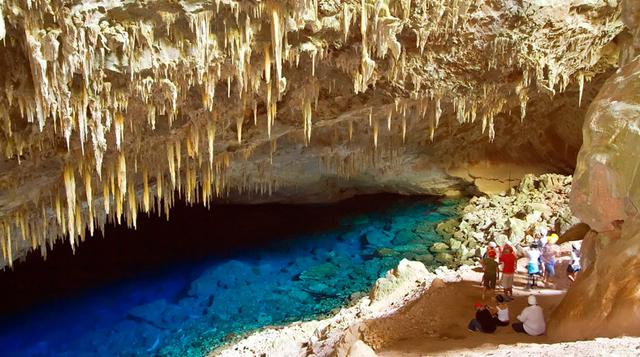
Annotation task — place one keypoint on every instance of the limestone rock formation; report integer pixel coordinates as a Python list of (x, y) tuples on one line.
[(110, 107), (538, 205), (606, 195)]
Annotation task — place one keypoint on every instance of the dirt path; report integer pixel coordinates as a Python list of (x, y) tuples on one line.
[(446, 311)]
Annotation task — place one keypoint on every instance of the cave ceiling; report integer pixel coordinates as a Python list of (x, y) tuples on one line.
[(109, 108)]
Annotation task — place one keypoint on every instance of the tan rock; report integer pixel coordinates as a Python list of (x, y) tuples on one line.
[(604, 301), (361, 349)]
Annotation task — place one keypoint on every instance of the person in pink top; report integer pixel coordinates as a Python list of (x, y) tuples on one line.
[(508, 261)]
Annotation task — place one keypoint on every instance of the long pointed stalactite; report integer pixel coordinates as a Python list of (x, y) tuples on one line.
[(120, 105)]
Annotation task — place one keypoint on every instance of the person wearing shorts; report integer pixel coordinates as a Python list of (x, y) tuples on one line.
[(533, 265), (549, 254), (574, 267), (508, 260), (490, 273)]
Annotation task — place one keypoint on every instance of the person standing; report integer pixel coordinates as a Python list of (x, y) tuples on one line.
[(574, 267), (531, 319), (549, 254), (508, 261), (533, 264), (490, 275)]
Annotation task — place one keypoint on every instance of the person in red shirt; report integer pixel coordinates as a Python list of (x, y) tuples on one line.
[(508, 260)]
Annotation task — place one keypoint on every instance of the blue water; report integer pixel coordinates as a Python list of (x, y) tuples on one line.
[(189, 309)]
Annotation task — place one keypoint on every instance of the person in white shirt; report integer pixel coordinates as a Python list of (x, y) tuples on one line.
[(501, 311), (533, 265), (532, 319)]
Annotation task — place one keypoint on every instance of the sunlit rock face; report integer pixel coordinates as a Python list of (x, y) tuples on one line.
[(108, 107), (605, 300)]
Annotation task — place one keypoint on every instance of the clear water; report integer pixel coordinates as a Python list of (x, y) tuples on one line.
[(189, 309)]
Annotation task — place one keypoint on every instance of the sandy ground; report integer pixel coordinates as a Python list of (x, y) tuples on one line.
[(449, 335)]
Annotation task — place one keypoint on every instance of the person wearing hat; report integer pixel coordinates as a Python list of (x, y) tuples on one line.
[(508, 260), (484, 321), (548, 257), (491, 248), (531, 319), (490, 275)]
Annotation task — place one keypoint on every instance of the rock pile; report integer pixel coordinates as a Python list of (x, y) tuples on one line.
[(537, 206)]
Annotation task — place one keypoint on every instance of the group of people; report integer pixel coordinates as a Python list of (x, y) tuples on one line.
[(542, 255), (489, 318), (491, 267), (541, 261)]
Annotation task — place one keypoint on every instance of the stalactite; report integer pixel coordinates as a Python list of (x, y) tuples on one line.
[(145, 190), (404, 129), (88, 79), (375, 134), (172, 167), (70, 190), (580, 88)]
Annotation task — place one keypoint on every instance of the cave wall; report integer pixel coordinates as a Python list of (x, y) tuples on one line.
[(605, 300)]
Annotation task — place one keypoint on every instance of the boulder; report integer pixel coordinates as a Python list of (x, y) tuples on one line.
[(439, 247), (404, 236), (378, 238), (151, 312), (447, 228), (517, 229), (398, 280), (445, 258), (361, 349), (455, 244)]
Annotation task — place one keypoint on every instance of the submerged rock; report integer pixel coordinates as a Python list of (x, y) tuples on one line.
[(404, 236), (439, 247), (378, 238), (151, 312)]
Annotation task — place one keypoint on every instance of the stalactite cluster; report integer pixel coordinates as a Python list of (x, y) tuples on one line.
[(109, 108)]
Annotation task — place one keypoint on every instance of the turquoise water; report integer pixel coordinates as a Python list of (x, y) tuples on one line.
[(189, 308)]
